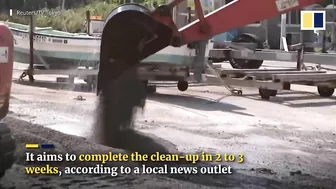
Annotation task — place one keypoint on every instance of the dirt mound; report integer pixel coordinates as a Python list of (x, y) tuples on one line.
[(129, 141), (24, 133)]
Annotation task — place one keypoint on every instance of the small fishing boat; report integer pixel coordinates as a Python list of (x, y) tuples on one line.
[(55, 49), (63, 50)]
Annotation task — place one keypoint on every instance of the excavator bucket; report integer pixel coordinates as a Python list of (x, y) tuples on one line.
[(130, 34), (131, 30)]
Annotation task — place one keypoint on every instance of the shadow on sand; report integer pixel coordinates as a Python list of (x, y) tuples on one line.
[(187, 101), (300, 100), (194, 102), (198, 103), (78, 87)]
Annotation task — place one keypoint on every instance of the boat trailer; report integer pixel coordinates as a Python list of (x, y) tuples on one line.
[(146, 72), (270, 81)]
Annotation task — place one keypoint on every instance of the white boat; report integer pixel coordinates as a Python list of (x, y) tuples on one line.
[(63, 50), (55, 49)]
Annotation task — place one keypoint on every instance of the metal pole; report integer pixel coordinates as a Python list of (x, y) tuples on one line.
[(333, 40), (266, 34), (88, 20), (175, 15), (63, 3), (324, 41), (31, 48), (200, 59), (283, 29)]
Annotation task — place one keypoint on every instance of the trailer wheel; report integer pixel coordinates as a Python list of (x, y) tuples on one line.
[(7, 149), (265, 94), (325, 91), (243, 63), (182, 85)]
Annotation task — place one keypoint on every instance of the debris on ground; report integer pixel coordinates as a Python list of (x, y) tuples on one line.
[(265, 171), (26, 132), (80, 98), (292, 173)]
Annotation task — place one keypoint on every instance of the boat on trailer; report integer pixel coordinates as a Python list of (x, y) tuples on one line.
[(54, 49)]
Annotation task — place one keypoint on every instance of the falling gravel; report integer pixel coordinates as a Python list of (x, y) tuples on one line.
[(119, 99)]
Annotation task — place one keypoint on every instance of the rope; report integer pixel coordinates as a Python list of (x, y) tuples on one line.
[(227, 87)]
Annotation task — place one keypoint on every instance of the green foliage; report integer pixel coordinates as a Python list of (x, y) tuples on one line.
[(72, 20)]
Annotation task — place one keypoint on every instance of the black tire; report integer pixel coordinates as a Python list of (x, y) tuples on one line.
[(243, 63), (265, 94), (7, 149), (182, 85), (325, 91)]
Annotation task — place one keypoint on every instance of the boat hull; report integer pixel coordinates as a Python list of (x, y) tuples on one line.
[(53, 60), (55, 49), (61, 62), (70, 52), (172, 55)]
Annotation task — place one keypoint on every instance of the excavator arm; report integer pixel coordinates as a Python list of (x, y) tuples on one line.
[(236, 14), (132, 33), (151, 31)]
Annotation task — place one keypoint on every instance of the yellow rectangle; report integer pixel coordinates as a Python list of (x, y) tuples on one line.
[(32, 146), (307, 20)]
